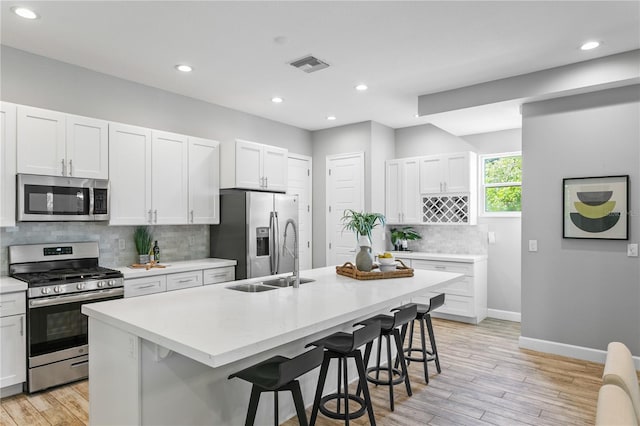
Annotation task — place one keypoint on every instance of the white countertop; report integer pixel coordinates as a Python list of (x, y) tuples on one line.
[(175, 267), (216, 326), (8, 285), (445, 257)]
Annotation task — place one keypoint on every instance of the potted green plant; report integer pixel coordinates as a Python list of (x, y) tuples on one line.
[(362, 224), (400, 236), (142, 238)]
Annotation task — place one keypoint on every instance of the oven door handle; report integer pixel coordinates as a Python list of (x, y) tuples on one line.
[(84, 297)]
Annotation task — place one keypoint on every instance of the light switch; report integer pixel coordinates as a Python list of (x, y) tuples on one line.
[(533, 245), (632, 250)]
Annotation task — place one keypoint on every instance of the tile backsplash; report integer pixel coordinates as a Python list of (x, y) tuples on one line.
[(454, 239), (177, 242)]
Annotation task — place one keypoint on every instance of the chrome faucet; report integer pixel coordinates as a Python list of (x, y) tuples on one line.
[(296, 251)]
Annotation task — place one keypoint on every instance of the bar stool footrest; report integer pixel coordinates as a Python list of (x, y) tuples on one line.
[(408, 357), (399, 377), (341, 416)]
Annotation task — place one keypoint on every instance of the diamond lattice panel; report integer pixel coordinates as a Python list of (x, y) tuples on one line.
[(445, 209)]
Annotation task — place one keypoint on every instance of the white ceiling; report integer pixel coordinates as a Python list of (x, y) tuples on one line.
[(240, 50)]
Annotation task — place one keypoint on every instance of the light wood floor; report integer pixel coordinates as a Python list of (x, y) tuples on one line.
[(486, 380)]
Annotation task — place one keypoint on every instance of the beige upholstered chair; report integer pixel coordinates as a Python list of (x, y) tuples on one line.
[(620, 371), (614, 407)]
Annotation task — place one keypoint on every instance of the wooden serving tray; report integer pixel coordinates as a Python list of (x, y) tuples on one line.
[(350, 270), (146, 266)]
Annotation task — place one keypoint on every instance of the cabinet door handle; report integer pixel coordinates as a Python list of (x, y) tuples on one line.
[(70, 167), (150, 220), (186, 281), (22, 325), (266, 181), (219, 275), (445, 186), (146, 286), (441, 267), (64, 167), (191, 216), (155, 216)]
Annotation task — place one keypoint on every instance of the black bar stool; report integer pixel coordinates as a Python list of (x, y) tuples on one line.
[(424, 316), (279, 374), (389, 327), (343, 346)]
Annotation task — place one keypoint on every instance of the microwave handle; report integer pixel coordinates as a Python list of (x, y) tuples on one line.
[(91, 201)]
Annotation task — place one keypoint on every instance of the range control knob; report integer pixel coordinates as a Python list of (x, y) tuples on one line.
[(112, 283), (57, 289), (45, 290), (81, 286), (100, 284)]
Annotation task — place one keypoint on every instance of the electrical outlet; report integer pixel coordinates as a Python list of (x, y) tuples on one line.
[(632, 250), (121, 244), (491, 237), (533, 245)]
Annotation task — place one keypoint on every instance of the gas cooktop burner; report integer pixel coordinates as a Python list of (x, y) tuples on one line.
[(61, 276)]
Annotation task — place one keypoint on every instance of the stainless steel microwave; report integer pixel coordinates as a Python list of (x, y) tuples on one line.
[(57, 198)]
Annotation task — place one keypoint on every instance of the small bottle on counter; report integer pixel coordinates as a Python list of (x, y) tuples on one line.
[(156, 252)]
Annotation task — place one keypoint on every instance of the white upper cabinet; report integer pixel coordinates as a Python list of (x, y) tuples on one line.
[(169, 178), (204, 181), (251, 165), (447, 173), (162, 178), (275, 168), (87, 147), (58, 144), (7, 164), (130, 175), (403, 191)]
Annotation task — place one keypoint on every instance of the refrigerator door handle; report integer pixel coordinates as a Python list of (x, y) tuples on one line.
[(272, 243), (277, 243)]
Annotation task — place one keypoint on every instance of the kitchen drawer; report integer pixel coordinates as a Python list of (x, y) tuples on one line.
[(142, 286), (459, 268), (219, 275), (12, 303), (453, 304), (184, 280)]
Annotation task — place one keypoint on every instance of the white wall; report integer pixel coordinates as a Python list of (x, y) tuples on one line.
[(46, 83), (427, 139), (376, 141), (503, 268), (584, 293)]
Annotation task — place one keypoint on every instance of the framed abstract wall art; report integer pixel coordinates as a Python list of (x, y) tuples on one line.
[(596, 207)]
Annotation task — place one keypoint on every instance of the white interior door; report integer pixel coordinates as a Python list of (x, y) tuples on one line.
[(299, 183), (345, 190)]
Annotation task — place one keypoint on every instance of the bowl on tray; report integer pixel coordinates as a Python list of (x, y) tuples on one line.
[(387, 264)]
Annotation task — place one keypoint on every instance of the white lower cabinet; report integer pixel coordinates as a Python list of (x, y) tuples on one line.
[(178, 281), (465, 299), (13, 340), (219, 275), (184, 280), (144, 286)]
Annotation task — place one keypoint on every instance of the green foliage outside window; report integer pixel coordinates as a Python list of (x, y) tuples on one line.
[(502, 184)]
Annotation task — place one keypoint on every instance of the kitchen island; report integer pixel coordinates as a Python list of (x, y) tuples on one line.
[(165, 358)]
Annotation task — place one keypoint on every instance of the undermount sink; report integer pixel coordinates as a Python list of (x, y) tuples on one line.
[(267, 285), (285, 282), (250, 288)]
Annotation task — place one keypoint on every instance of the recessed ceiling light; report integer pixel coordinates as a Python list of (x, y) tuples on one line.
[(277, 100), (331, 117), (184, 68), (590, 45), (25, 13), (361, 87)]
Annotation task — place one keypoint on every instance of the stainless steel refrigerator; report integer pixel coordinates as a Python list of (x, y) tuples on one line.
[(251, 231)]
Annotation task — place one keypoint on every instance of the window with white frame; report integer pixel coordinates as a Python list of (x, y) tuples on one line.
[(501, 184)]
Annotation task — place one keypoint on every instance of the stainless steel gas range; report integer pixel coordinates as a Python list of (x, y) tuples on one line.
[(61, 277)]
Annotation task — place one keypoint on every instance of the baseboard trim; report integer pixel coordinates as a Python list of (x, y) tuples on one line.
[(504, 315), (563, 349)]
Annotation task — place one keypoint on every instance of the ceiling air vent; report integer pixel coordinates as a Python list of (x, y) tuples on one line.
[(309, 64)]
